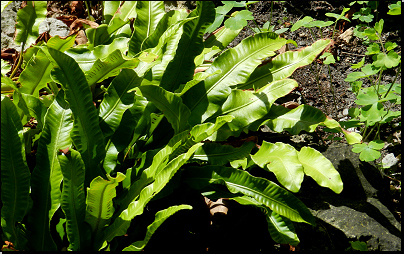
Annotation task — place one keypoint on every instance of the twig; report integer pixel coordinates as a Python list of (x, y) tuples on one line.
[(351, 53)]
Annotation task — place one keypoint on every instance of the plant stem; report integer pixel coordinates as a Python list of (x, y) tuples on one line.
[(19, 61), (319, 88), (394, 81), (369, 133), (333, 92)]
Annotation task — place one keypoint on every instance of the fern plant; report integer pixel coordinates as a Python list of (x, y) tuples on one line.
[(131, 109)]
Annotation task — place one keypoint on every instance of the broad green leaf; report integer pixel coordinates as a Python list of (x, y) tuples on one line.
[(117, 100), (247, 106), (8, 85), (86, 134), (367, 99), (294, 121), (319, 23), (169, 19), (358, 245), (300, 23), (170, 38), (389, 60), (36, 108), (339, 16), (379, 26), (97, 36), (374, 48), (182, 67), (36, 73), (221, 11), (320, 169), (109, 67), (262, 190), (390, 45), (60, 229), (372, 113), (217, 154), (238, 20), (109, 10), (160, 217), (124, 13), (366, 71), (5, 67), (86, 57), (73, 201), (368, 152), (201, 132), (395, 9), (221, 38), (219, 41), (281, 228), (371, 34), (358, 65), (28, 20), (376, 144), (99, 207), (236, 65), (47, 175), (283, 65), (170, 104), (282, 160), (15, 175), (149, 14), (305, 118)]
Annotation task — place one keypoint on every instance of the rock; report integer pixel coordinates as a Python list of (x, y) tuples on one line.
[(55, 27), (8, 19), (175, 5), (389, 160), (359, 213)]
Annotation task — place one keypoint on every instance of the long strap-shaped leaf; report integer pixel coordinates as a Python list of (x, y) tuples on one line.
[(86, 57), (262, 190), (103, 69), (117, 100), (160, 217), (217, 154), (124, 13), (47, 175), (170, 104), (73, 201), (320, 169), (236, 65), (248, 106), (181, 69), (86, 135), (15, 176), (28, 20), (121, 224), (306, 118), (282, 160), (99, 201), (149, 14), (283, 65), (172, 31), (36, 74), (280, 228)]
